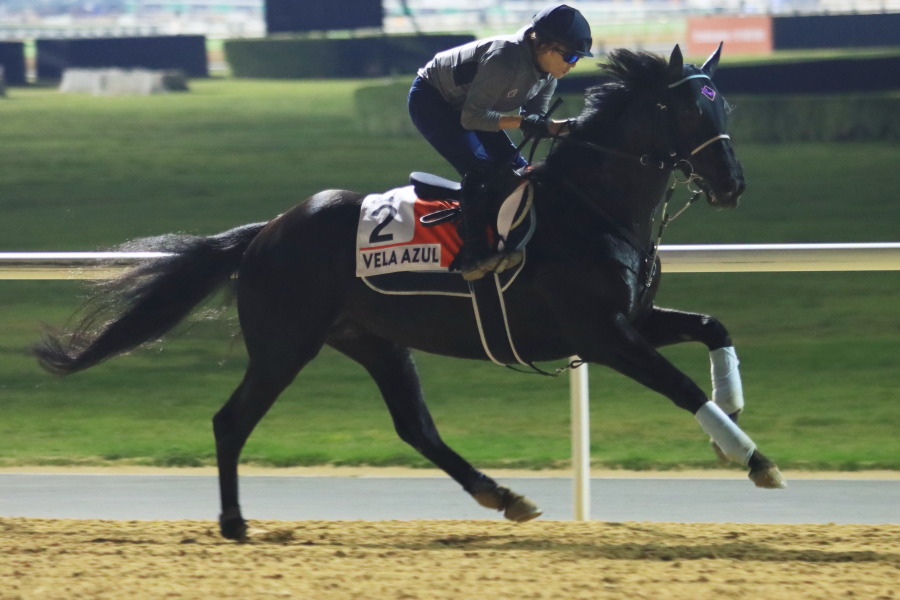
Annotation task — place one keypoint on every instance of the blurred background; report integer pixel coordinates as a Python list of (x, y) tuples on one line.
[(644, 24), (131, 118)]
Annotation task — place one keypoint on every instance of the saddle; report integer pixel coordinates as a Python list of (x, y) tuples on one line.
[(407, 239), (411, 230), (434, 187)]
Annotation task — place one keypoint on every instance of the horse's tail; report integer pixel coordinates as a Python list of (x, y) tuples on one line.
[(145, 302)]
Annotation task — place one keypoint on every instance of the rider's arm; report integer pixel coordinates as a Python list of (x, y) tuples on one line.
[(490, 85)]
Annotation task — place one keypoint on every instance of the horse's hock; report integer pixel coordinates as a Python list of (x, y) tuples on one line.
[(122, 82)]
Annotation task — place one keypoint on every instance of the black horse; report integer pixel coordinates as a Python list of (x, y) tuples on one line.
[(586, 288)]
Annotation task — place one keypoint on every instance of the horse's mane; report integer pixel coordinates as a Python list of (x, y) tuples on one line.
[(626, 75)]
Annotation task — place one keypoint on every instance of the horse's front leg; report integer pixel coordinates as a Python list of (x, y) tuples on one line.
[(664, 327), (635, 356)]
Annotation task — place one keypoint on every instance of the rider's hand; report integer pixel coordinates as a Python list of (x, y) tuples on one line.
[(559, 127), (535, 126)]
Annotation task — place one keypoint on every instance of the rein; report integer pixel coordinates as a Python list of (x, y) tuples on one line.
[(672, 163), (665, 218)]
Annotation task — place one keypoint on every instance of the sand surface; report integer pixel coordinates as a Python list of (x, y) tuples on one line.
[(342, 560)]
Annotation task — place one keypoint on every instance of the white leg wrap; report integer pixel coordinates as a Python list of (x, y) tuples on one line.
[(727, 391), (736, 444)]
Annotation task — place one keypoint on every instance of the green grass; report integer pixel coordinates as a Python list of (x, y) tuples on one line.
[(94, 171), (819, 351)]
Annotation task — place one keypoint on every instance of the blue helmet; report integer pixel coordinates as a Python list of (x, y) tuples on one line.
[(565, 25)]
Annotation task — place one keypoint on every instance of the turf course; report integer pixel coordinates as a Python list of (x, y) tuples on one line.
[(819, 351)]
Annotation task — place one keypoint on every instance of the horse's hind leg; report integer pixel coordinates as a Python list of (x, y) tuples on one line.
[(278, 346), (393, 369), (234, 423)]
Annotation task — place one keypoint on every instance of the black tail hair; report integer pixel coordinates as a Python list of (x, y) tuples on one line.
[(145, 302)]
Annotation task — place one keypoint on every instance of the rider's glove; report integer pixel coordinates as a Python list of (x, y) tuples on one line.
[(535, 126)]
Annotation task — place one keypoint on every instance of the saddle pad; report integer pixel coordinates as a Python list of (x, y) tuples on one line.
[(391, 239)]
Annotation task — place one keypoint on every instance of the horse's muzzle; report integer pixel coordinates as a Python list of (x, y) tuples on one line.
[(725, 190), (730, 196)]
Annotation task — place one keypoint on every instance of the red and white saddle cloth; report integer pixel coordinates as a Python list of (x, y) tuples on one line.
[(397, 254), (391, 238)]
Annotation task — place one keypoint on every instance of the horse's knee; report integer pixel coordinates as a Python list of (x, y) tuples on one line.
[(713, 333)]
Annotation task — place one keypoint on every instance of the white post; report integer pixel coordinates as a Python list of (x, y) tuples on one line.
[(581, 442)]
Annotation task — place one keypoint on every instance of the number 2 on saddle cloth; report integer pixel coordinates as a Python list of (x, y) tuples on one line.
[(400, 232)]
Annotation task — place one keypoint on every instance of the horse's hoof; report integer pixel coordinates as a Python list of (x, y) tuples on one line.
[(515, 507), (769, 478), (234, 528), (522, 509)]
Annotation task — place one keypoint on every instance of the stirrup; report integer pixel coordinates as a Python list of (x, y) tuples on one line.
[(496, 263)]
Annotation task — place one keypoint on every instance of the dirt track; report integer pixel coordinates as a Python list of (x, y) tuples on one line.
[(460, 560)]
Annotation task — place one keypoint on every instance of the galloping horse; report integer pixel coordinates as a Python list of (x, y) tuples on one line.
[(586, 288)]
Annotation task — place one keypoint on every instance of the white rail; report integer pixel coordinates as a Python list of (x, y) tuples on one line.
[(730, 258), (725, 258)]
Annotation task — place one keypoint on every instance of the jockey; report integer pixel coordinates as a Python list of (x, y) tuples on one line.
[(459, 98)]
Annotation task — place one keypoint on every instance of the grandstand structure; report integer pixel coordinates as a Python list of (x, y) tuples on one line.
[(644, 19)]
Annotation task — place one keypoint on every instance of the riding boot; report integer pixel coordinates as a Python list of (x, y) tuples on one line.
[(477, 258)]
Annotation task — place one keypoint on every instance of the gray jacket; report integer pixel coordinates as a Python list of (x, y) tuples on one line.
[(485, 78)]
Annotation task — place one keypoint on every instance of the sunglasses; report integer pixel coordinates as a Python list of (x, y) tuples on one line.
[(569, 57)]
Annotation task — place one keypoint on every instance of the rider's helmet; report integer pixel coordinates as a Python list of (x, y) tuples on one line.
[(565, 25)]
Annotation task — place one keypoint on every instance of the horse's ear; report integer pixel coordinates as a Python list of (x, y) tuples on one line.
[(709, 67), (676, 65)]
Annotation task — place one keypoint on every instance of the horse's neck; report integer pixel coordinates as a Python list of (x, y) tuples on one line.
[(622, 192)]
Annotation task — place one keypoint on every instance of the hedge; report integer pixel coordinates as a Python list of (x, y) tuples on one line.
[(12, 59), (816, 118), (186, 53), (381, 111)]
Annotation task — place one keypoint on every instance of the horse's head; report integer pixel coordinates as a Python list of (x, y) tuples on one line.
[(697, 117), (667, 114)]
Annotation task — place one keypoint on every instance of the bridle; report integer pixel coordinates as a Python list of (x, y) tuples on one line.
[(673, 160), (673, 163), (713, 139)]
